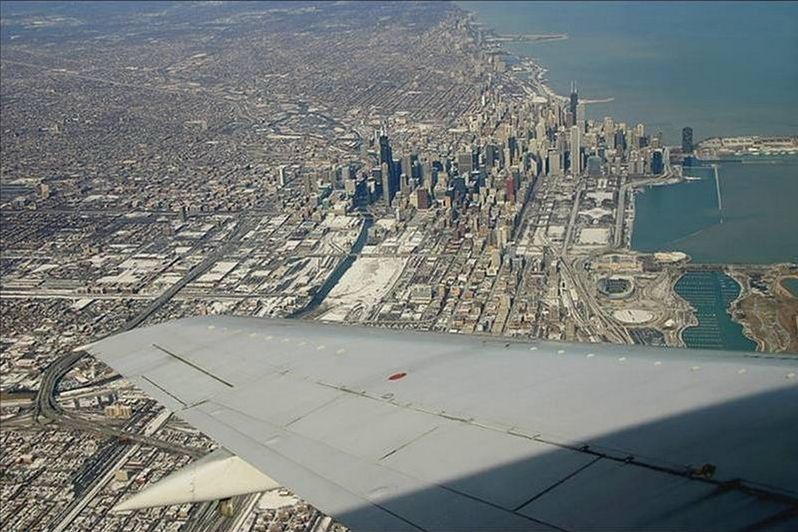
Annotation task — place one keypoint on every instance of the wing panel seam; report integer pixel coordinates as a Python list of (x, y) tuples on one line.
[(192, 365)]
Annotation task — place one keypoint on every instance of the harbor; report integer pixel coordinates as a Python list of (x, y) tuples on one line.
[(710, 293)]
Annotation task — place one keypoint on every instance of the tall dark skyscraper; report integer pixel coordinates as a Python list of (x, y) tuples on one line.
[(386, 156), (574, 101), (657, 162), (391, 169), (687, 140)]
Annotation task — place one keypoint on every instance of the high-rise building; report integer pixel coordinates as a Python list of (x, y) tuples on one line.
[(509, 189), (594, 166), (608, 127), (657, 162), (576, 150), (540, 131), (580, 116), (422, 199), (346, 172), (574, 101), (392, 167), (656, 140), (407, 165), (385, 150), (620, 140), (554, 163), (490, 154), (687, 140), (464, 163), (385, 176), (395, 175)]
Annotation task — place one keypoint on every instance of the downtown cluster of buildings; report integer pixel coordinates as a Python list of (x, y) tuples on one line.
[(410, 179)]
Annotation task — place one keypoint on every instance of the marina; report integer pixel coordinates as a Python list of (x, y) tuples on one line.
[(710, 294)]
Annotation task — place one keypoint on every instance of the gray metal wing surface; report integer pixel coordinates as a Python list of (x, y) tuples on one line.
[(390, 430)]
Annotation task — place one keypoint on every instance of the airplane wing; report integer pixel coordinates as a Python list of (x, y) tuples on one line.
[(395, 430)]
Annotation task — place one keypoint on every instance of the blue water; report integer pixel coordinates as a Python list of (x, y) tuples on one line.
[(710, 294), (757, 224), (791, 284), (723, 68)]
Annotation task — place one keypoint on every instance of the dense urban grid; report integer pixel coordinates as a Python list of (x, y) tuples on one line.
[(381, 164)]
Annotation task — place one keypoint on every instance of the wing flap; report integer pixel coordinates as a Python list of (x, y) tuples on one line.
[(647, 499), (346, 486)]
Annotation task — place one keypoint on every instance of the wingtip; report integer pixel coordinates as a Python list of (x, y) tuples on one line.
[(124, 506), (84, 347)]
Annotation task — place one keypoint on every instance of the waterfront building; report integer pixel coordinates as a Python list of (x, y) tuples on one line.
[(687, 140), (657, 162), (620, 141), (656, 140)]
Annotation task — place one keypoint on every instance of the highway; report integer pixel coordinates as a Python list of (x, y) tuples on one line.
[(572, 220), (620, 213), (610, 329), (47, 406)]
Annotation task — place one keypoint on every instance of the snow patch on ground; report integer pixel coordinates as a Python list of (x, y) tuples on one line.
[(363, 286), (275, 499)]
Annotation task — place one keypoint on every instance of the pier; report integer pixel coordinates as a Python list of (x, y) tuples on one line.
[(717, 189)]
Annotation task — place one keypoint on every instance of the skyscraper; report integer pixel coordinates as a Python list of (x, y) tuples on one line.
[(554, 162), (490, 154), (386, 156), (576, 150), (407, 165), (594, 166), (395, 175), (620, 141), (464, 163), (574, 102), (385, 176), (391, 169), (657, 162), (509, 189), (580, 116), (687, 140)]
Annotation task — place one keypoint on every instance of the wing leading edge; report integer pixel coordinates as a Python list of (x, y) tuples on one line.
[(404, 430)]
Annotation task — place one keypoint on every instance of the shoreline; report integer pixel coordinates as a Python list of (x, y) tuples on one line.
[(533, 75), (533, 68)]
